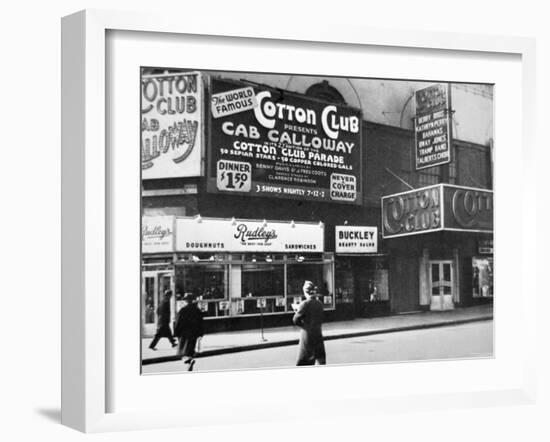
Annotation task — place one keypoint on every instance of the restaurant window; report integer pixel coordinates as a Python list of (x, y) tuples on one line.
[(251, 284), (262, 280), (317, 272), (482, 277), (207, 282), (262, 288), (254, 306), (298, 273)]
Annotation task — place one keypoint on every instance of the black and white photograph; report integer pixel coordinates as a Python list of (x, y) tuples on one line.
[(334, 228), (303, 220)]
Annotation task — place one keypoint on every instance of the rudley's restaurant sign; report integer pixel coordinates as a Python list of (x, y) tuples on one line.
[(267, 142), (171, 125), (435, 208), (225, 235), (157, 234)]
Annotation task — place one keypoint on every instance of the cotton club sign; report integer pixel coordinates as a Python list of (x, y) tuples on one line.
[(435, 208), (171, 125), (266, 142)]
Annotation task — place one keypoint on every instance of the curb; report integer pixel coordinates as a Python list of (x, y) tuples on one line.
[(242, 348)]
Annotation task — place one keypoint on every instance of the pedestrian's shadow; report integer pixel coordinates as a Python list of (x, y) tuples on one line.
[(51, 414)]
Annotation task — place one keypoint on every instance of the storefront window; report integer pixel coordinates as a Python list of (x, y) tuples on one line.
[(251, 284), (149, 283), (318, 273), (378, 285), (262, 288), (482, 277), (213, 308), (262, 280), (344, 282), (205, 281), (372, 280), (298, 273), (326, 290), (263, 305)]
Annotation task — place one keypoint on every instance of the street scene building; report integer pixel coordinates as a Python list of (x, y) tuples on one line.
[(378, 191)]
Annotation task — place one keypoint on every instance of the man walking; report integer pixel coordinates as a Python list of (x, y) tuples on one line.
[(188, 328), (163, 324), (309, 317)]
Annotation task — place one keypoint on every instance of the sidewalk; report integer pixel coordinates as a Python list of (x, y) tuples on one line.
[(237, 341)]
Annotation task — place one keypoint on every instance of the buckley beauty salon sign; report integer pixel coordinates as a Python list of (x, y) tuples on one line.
[(171, 125), (439, 207), (356, 239), (157, 234), (219, 235)]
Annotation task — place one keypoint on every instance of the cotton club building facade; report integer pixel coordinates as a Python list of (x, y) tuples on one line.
[(439, 243), (296, 184)]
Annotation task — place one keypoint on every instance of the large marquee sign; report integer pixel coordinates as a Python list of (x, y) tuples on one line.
[(267, 142), (439, 207), (432, 126), (223, 235), (171, 125)]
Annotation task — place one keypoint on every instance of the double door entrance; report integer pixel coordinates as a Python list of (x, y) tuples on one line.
[(441, 285), (154, 283)]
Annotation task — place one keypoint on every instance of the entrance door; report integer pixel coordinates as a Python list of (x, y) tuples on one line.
[(441, 277), (154, 283)]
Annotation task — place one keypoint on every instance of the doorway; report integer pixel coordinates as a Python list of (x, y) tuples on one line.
[(442, 283), (154, 283)]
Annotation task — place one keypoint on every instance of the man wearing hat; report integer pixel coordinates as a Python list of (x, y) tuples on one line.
[(188, 328), (163, 321), (309, 317)]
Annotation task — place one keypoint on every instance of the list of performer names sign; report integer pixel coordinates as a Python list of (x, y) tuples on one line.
[(280, 144), (432, 131)]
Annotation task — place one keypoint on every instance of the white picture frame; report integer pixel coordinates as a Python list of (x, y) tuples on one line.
[(86, 254)]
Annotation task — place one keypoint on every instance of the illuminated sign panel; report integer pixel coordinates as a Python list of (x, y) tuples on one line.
[(439, 207)]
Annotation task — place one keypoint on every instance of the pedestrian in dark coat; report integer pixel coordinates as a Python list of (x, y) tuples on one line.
[(163, 321), (309, 317), (189, 327)]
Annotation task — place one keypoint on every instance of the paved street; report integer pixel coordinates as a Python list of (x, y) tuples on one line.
[(462, 341)]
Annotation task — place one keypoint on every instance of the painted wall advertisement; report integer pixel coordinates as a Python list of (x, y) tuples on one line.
[(438, 207), (220, 235), (432, 126), (157, 234), (356, 239), (266, 142), (171, 125)]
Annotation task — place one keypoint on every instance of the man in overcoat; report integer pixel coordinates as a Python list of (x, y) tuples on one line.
[(189, 327), (163, 321), (309, 317)]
